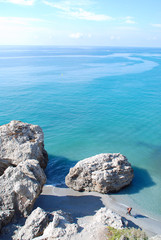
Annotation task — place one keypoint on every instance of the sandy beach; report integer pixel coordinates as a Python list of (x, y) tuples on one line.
[(83, 205)]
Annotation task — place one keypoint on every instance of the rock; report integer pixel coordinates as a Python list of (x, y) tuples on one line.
[(102, 173), (20, 186), (20, 141), (108, 217), (157, 237), (95, 227), (62, 227), (5, 217), (34, 225), (4, 164), (92, 227)]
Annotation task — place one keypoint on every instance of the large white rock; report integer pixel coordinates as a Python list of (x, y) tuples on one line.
[(95, 227), (62, 227), (157, 237), (20, 141), (20, 186), (102, 173), (34, 225), (108, 217)]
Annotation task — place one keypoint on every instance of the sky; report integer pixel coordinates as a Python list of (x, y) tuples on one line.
[(124, 23)]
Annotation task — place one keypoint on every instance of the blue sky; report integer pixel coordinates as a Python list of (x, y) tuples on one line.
[(84, 22)]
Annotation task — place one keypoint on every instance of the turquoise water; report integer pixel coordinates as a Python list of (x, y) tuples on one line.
[(90, 101)]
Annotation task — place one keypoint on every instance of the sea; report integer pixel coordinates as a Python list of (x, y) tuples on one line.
[(90, 100)]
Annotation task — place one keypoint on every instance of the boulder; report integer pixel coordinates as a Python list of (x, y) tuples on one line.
[(20, 186), (95, 227), (34, 225), (92, 227), (108, 217), (20, 141), (157, 237), (102, 173), (61, 227)]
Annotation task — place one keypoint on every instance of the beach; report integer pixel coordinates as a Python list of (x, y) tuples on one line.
[(32, 210), (83, 205)]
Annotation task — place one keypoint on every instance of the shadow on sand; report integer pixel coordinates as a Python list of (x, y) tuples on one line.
[(139, 216), (78, 206), (81, 206), (130, 223)]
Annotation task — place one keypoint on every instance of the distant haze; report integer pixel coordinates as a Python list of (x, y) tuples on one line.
[(81, 23)]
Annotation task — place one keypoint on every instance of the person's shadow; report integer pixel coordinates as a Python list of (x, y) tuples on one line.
[(139, 216)]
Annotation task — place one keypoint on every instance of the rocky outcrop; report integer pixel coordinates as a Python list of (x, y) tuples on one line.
[(20, 186), (157, 237), (102, 173), (20, 141), (34, 225), (22, 157), (108, 217), (96, 226), (61, 226)]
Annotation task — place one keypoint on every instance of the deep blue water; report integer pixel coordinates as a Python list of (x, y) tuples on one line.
[(90, 101)]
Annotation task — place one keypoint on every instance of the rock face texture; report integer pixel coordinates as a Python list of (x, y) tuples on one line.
[(20, 141), (19, 188), (34, 225), (101, 173), (4, 164), (60, 226), (157, 237), (108, 217), (95, 227), (22, 157)]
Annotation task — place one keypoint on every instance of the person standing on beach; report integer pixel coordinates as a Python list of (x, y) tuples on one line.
[(129, 210)]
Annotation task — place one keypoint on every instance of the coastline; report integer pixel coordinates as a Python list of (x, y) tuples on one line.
[(119, 125), (83, 205), (126, 201), (124, 125)]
